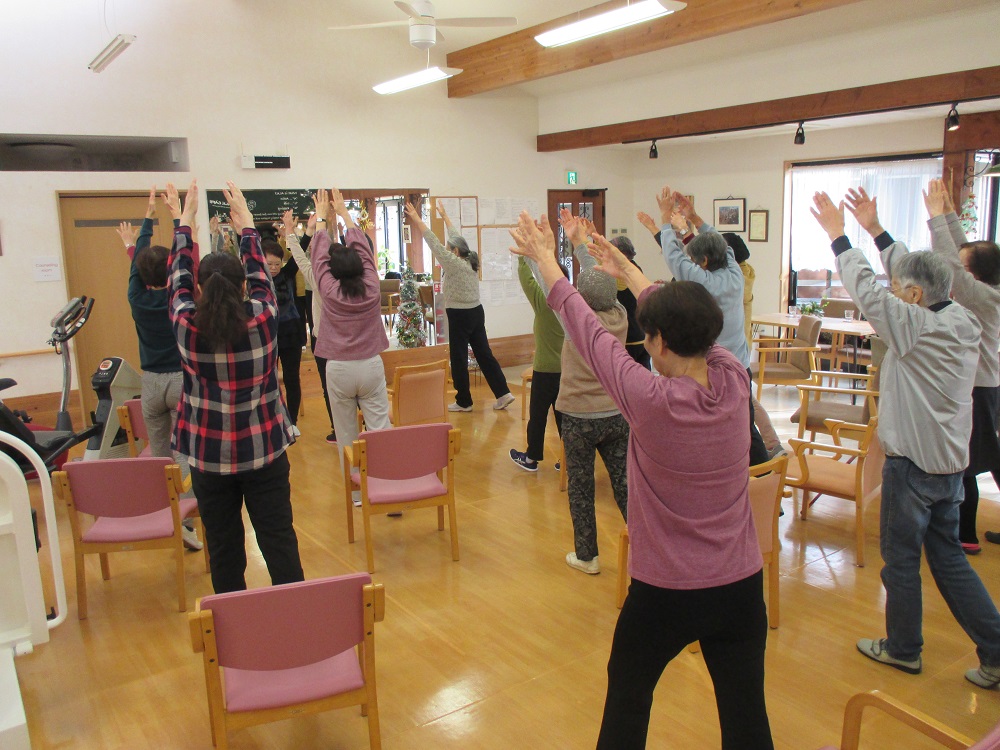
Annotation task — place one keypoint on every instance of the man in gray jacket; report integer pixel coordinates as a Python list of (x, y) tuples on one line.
[(925, 419)]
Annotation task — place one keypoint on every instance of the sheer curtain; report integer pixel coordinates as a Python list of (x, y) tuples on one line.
[(896, 184)]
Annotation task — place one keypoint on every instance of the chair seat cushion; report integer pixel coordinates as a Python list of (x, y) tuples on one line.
[(781, 370), (252, 690), (821, 410), (826, 475), (158, 525), (402, 490)]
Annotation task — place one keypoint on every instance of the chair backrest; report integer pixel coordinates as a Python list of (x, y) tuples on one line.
[(765, 499), (426, 292), (807, 334), (871, 477), (406, 452), (388, 287), (119, 487), (291, 625), (990, 742), (420, 394), (134, 406)]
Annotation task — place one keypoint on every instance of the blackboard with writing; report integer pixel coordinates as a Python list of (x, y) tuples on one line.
[(265, 205)]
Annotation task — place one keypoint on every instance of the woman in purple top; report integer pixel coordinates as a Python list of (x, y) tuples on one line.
[(695, 563), (351, 333)]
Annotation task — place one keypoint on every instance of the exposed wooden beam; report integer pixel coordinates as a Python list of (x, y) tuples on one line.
[(979, 131), (967, 85), (518, 58)]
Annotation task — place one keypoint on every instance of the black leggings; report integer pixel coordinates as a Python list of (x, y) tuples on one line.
[(544, 392), (468, 328), (655, 625), (291, 358), (969, 508)]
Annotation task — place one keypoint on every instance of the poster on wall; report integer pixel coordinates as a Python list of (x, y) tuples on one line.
[(265, 205)]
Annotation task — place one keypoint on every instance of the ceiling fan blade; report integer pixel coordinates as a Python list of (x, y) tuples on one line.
[(408, 9), (478, 22), (381, 25)]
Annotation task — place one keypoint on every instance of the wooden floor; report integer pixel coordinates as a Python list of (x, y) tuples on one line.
[(508, 647)]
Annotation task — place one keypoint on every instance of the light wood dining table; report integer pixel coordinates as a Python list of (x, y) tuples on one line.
[(839, 328)]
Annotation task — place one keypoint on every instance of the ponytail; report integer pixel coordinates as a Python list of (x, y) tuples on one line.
[(347, 268), (220, 317)]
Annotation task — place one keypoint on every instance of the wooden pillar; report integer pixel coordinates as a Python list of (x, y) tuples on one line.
[(414, 248), (978, 131)]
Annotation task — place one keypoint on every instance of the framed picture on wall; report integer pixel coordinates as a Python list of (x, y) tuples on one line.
[(757, 231), (730, 214), (406, 234)]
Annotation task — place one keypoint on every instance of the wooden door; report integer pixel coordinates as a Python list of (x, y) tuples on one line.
[(97, 266), (586, 203)]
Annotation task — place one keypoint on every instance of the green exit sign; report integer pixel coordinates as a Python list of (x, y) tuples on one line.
[(571, 178)]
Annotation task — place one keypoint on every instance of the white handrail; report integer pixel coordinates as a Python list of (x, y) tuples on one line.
[(52, 532)]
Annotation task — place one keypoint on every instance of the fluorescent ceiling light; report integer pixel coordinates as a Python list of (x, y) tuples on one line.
[(115, 47), (420, 78), (629, 15)]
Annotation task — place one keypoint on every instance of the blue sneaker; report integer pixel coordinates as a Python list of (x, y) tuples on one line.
[(522, 460)]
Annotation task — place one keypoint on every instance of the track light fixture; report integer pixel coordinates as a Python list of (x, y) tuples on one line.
[(800, 135), (653, 153), (951, 121)]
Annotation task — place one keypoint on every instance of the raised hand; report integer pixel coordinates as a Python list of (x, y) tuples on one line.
[(239, 213), (173, 201), (214, 225), (287, 223), (189, 217), (665, 200), (151, 207), (127, 233), (679, 223), (339, 205), (936, 198), (829, 215), (686, 209), (321, 200), (647, 221), (610, 259), (865, 210), (311, 224), (574, 226), (535, 241), (414, 216)]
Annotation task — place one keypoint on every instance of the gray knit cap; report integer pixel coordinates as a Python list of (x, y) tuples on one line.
[(598, 290)]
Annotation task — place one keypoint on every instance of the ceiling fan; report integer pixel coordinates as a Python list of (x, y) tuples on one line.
[(423, 23)]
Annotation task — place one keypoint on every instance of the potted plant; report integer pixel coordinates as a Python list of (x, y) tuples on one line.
[(812, 308)]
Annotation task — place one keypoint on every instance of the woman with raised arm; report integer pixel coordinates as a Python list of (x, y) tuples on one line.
[(351, 334), (466, 317), (976, 287), (231, 423), (695, 563)]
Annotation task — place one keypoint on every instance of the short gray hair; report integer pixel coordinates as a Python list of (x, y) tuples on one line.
[(710, 245), (926, 270)]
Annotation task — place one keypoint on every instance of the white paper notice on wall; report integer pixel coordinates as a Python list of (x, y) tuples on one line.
[(471, 235), (452, 207), (470, 212), (47, 268)]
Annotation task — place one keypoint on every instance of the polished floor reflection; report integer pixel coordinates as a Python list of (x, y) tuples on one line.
[(506, 648)]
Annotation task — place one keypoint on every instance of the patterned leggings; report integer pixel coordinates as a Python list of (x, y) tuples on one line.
[(582, 438)]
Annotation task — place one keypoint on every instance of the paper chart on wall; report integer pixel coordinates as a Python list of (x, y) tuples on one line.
[(506, 211), (452, 207), (470, 212), (499, 293), (498, 262)]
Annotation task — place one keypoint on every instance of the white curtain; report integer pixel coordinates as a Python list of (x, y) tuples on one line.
[(896, 184)]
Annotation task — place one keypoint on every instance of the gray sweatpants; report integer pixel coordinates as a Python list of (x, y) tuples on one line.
[(161, 392), (354, 385)]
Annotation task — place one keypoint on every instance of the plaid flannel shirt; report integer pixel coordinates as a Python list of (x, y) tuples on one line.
[(231, 417)]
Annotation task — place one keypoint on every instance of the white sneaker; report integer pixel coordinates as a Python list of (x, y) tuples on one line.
[(504, 401), (356, 498), (456, 407), (296, 432), (190, 538), (590, 567)]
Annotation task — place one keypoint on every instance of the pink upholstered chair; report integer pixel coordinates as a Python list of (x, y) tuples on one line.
[(136, 506), (399, 470), (283, 651), (917, 720), (130, 418)]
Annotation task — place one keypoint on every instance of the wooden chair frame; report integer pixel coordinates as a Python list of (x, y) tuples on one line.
[(356, 456), (399, 375), (814, 393), (850, 737), (865, 434), (125, 420), (778, 350), (202, 627), (174, 542)]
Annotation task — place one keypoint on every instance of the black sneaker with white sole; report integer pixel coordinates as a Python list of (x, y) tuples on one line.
[(522, 460)]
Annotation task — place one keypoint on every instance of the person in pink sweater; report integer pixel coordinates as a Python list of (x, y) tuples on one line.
[(695, 564)]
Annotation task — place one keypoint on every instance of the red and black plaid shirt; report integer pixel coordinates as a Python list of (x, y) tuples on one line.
[(231, 417)]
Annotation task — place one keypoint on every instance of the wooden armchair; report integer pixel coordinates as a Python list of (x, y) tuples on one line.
[(390, 298), (820, 404), (859, 482), (800, 352)]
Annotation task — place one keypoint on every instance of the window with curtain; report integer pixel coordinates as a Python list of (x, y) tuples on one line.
[(898, 186)]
